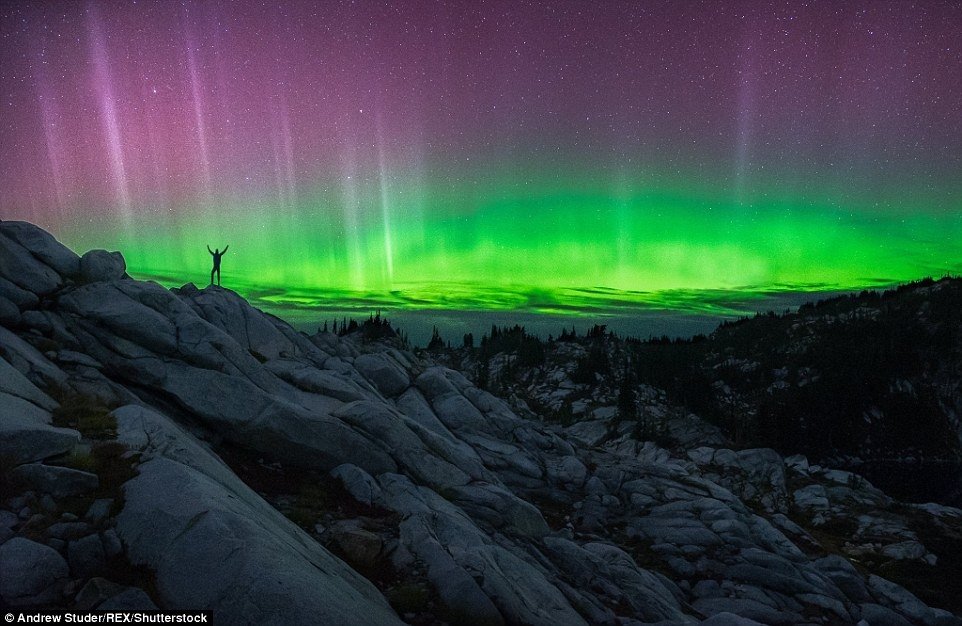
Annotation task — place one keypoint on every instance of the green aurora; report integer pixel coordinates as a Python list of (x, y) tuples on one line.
[(542, 242)]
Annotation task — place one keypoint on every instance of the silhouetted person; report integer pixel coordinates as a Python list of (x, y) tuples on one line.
[(217, 254)]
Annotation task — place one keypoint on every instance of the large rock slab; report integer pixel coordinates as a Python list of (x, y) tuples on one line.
[(26, 436), (213, 542), (43, 246), (325, 382), (383, 372), (500, 508), (29, 361), (14, 383), (749, 608), (423, 455), (17, 297), (9, 312), (756, 475), (86, 556), (263, 335), (624, 582), (101, 265), (358, 483), (210, 549), (59, 482), (24, 270), (31, 573), (488, 578), (148, 336)]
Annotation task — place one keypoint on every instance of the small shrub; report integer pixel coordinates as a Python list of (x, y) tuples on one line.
[(86, 414), (79, 461), (106, 460)]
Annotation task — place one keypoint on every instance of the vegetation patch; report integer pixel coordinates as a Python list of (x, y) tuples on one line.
[(87, 414)]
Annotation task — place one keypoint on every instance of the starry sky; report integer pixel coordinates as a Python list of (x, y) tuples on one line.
[(563, 158)]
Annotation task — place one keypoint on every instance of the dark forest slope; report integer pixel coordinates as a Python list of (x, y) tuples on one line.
[(871, 379)]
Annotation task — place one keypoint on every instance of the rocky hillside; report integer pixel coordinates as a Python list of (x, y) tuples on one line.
[(872, 381), (181, 449)]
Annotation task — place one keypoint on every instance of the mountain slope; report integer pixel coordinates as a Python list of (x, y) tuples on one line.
[(871, 381), (179, 448)]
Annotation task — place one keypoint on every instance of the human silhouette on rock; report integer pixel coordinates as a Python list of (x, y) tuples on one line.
[(217, 254)]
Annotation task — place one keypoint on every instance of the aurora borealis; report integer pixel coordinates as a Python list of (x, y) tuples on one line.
[(564, 158)]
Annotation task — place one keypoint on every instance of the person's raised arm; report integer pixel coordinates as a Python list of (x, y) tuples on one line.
[(209, 250), (225, 250)]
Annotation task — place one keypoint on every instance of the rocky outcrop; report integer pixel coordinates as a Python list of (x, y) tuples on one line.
[(25, 431), (247, 565), (451, 504), (100, 265), (30, 573)]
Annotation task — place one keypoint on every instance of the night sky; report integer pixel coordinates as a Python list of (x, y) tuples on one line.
[(559, 157)]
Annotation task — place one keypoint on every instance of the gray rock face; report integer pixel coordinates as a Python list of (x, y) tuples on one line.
[(755, 475), (68, 530), (358, 483), (99, 511), (625, 582), (244, 565), (17, 297), (24, 270), (86, 556), (325, 382), (8, 520), (130, 599), (163, 343), (43, 246), (360, 547), (262, 335), (729, 619), (383, 372), (29, 361), (14, 383), (95, 591), (24, 435), (112, 545), (748, 608), (570, 471), (214, 543), (9, 312), (500, 508), (57, 481), (104, 595), (31, 573), (416, 450), (461, 558), (100, 265)]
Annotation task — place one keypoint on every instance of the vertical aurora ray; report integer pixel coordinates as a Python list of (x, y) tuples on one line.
[(108, 110), (199, 114), (351, 206), (52, 140), (385, 206), (282, 143)]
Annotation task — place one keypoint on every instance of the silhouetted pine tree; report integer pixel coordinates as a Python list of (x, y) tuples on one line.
[(436, 342)]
